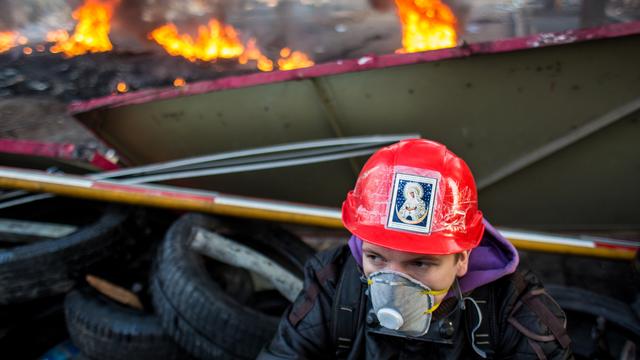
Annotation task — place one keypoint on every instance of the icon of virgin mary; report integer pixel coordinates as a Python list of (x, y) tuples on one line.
[(413, 210)]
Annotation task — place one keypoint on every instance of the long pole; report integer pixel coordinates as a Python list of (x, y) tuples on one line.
[(240, 206)]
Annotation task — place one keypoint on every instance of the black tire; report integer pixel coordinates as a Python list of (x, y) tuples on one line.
[(599, 326), (584, 301), (52, 266), (195, 309), (105, 330)]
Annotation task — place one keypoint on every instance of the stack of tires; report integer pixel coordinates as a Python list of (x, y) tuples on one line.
[(201, 308), (207, 287)]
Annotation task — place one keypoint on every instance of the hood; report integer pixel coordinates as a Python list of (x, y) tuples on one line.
[(494, 258)]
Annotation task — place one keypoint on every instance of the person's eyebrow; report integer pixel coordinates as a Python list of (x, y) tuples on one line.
[(429, 258)]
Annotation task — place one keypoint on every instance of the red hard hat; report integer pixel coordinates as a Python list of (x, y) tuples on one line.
[(415, 196)]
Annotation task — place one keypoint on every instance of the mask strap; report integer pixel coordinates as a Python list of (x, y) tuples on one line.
[(433, 308), (434, 292)]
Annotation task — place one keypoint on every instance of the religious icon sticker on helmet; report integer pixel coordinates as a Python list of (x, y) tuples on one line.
[(411, 207)]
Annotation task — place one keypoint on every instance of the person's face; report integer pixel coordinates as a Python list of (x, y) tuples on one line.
[(436, 271)]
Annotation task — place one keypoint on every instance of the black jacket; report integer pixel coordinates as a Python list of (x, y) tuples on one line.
[(522, 321)]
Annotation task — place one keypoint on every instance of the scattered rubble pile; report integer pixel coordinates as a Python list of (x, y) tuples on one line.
[(94, 75)]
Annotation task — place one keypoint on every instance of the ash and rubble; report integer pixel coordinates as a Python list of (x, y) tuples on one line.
[(95, 75)]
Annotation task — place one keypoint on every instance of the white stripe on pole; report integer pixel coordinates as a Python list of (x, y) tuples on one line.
[(277, 206), (548, 239), (48, 178)]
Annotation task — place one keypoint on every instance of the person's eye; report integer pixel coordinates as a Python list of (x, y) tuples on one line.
[(375, 258), (422, 264)]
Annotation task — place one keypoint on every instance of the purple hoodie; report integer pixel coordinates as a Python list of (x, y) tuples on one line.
[(494, 258)]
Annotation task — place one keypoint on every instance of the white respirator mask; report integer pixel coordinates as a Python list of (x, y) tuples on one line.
[(402, 303)]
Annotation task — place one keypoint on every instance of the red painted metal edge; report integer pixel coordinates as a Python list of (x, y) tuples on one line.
[(616, 247), (65, 151), (36, 148), (361, 64)]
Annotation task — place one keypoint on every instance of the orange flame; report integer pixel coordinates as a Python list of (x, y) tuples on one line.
[(91, 33), (179, 82), (219, 40), (122, 87), (57, 36), (426, 25), (251, 52), (216, 40), (8, 40), (293, 60)]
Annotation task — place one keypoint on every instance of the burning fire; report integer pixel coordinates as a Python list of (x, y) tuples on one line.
[(216, 40), (122, 87), (57, 36), (219, 40), (11, 39), (251, 52), (293, 60), (91, 33), (426, 25), (179, 82)]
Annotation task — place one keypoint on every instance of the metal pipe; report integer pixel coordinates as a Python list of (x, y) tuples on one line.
[(168, 197), (254, 159), (245, 168), (373, 140)]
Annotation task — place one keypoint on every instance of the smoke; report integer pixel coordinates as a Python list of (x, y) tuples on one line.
[(33, 18)]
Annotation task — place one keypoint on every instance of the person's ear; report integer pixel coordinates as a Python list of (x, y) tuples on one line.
[(462, 264)]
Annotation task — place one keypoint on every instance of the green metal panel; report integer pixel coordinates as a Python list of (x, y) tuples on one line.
[(490, 109), (495, 108), (217, 121), (232, 120), (590, 185)]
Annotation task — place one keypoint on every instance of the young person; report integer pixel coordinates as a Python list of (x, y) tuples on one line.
[(424, 276)]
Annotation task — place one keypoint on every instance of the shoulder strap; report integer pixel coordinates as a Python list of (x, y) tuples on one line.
[(541, 304), (300, 310), (485, 335), (348, 308)]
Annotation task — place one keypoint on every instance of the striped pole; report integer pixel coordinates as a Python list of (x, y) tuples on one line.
[(230, 205)]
